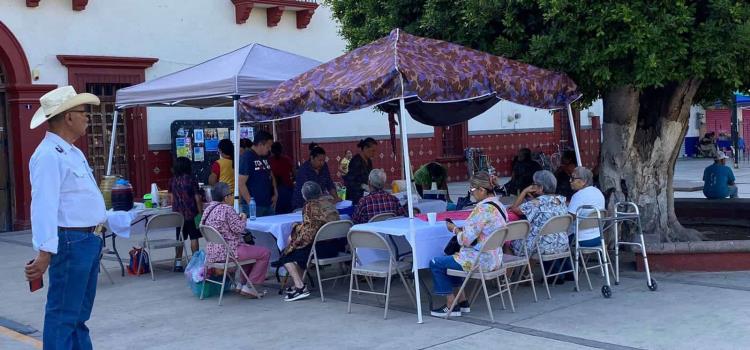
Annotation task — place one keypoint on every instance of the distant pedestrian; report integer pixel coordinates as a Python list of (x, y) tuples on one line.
[(186, 200), (282, 168), (66, 207)]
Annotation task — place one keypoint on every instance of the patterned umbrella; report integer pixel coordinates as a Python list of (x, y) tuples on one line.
[(422, 71)]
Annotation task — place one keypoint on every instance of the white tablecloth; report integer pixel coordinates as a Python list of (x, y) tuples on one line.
[(125, 223), (429, 240), (280, 226)]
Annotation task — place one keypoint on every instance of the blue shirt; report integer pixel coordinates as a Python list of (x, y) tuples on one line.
[(307, 173), (258, 173), (716, 179)]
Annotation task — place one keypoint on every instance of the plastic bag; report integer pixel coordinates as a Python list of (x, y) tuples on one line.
[(196, 269)]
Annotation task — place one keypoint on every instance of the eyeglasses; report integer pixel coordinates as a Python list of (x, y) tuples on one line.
[(575, 178)]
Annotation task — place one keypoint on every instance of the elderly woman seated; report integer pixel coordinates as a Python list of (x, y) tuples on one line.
[(231, 226), (378, 201), (487, 217), (539, 203), (317, 211), (582, 182)]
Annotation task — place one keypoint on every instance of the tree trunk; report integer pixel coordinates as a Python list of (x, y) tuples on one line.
[(643, 133)]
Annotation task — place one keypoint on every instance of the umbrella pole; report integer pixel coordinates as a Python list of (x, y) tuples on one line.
[(236, 169), (573, 135), (112, 139)]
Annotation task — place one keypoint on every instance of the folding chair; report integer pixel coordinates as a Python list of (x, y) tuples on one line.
[(380, 269), (554, 225), (328, 232), (495, 241), (212, 236), (401, 246), (589, 217), (520, 230), (161, 222)]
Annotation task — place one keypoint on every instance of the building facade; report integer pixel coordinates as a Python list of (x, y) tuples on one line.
[(100, 46)]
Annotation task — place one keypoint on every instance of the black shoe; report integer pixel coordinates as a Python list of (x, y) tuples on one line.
[(443, 311), (299, 293), (464, 306), (178, 269)]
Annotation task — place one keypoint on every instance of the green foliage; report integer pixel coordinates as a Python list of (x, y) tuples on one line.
[(600, 44)]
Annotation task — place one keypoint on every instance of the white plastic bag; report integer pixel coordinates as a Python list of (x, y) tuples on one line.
[(196, 268)]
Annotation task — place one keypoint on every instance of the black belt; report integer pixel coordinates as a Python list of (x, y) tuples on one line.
[(89, 229)]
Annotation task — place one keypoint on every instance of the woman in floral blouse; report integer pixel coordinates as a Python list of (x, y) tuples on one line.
[(488, 216), (231, 226), (317, 211)]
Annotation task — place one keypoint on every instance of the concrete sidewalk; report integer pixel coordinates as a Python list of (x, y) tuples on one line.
[(689, 311)]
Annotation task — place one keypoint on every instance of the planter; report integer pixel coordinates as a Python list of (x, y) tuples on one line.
[(705, 256)]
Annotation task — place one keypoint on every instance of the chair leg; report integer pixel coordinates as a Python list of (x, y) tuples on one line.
[(531, 280), (387, 295), (412, 298), (586, 272), (544, 278), (203, 288), (487, 299), (320, 283), (500, 290), (223, 282), (510, 296), (575, 275), (150, 265), (455, 300), (349, 302)]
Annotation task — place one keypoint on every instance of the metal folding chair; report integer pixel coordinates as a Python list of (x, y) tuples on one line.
[(554, 225), (212, 236), (520, 230), (494, 242), (330, 231), (162, 222), (379, 269), (589, 217)]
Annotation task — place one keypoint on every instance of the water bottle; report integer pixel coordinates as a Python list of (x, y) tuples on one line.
[(251, 209)]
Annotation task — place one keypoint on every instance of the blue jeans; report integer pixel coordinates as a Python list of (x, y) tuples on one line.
[(443, 283), (73, 273)]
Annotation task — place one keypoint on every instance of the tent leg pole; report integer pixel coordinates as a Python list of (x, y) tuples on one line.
[(407, 177), (112, 139), (236, 154), (573, 135)]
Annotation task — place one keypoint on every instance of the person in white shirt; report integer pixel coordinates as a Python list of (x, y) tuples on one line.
[(582, 181), (66, 208)]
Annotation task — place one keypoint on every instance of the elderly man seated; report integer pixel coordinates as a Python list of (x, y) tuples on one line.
[(719, 179), (377, 201)]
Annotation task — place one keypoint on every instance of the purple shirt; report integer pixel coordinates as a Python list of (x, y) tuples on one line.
[(184, 189)]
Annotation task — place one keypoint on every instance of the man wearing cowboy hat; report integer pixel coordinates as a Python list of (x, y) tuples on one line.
[(66, 207)]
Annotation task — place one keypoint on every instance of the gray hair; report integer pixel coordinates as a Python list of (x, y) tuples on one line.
[(547, 180), (585, 175), (377, 179), (219, 191), (311, 190)]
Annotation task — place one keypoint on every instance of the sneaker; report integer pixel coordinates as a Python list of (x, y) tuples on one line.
[(289, 290), (465, 307), (443, 311), (299, 293)]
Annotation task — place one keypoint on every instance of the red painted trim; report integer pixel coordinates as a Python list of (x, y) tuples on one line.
[(76, 61), (705, 262), (273, 15), (79, 5), (13, 58), (242, 9), (32, 3)]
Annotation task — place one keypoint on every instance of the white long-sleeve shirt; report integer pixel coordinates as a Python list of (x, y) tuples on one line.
[(63, 192)]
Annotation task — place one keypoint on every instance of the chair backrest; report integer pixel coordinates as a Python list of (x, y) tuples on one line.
[(166, 220), (556, 224), (518, 230), (588, 216), (382, 217), (212, 236), (368, 239), (333, 230), (495, 240)]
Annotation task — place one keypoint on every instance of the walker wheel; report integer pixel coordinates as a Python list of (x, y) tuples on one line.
[(653, 286), (606, 292)]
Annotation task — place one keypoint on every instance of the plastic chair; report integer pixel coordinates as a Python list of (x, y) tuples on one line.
[(495, 241), (379, 269), (161, 222), (554, 225), (212, 236), (520, 230), (330, 231)]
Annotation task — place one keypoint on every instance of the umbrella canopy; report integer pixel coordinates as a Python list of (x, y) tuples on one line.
[(427, 73), (246, 71)]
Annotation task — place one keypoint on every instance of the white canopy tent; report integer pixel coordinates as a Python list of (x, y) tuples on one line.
[(218, 82)]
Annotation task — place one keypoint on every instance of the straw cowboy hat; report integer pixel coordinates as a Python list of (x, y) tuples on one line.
[(58, 101)]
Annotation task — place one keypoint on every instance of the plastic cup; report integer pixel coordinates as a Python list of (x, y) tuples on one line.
[(431, 218)]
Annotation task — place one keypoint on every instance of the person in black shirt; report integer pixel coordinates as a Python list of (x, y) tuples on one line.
[(359, 170), (523, 172), (568, 163)]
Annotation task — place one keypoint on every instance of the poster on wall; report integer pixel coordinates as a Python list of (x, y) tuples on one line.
[(199, 156), (182, 149), (198, 135), (246, 132), (212, 140), (223, 133)]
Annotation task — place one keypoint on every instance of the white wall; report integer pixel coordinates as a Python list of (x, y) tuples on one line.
[(187, 32)]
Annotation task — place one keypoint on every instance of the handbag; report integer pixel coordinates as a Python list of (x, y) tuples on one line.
[(138, 262), (454, 247)]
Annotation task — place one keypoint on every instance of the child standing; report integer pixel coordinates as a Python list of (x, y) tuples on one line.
[(187, 201)]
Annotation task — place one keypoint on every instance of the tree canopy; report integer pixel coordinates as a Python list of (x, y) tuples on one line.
[(602, 45)]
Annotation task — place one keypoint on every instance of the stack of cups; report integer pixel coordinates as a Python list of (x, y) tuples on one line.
[(155, 195)]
